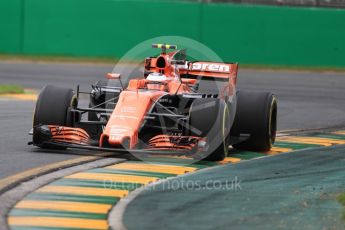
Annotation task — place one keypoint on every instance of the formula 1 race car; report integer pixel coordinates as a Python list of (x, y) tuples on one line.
[(177, 107)]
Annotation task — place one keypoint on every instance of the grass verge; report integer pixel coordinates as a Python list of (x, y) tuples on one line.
[(11, 89), (341, 199)]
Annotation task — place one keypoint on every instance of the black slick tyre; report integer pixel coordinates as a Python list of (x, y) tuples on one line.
[(210, 118), (256, 115), (52, 109)]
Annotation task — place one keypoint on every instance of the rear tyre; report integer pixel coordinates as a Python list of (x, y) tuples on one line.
[(256, 115), (210, 118), (52, 108)]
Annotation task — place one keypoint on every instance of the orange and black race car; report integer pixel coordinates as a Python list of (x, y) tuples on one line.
[(177, 107)]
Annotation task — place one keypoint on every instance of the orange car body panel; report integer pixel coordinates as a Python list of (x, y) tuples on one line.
[(131, 108), (128, 116)]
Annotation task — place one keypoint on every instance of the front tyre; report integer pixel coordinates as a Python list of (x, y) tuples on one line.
[(52, 109), (210, 118)]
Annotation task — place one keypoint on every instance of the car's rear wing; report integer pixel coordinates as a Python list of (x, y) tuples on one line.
[(210, 70), (193, 70)]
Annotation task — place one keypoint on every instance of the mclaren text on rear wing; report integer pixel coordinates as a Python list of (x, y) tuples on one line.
[(211, 69)]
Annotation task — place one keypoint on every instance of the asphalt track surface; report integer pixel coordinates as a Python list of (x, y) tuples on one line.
[(306, 100)]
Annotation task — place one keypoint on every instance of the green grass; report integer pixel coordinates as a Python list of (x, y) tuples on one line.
[(341, 199), (11, 89)]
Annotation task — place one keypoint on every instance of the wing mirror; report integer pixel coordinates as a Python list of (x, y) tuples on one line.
[(113, 76)]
